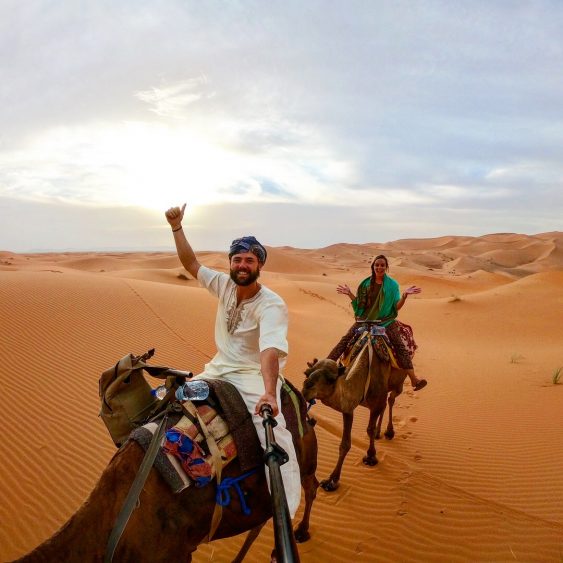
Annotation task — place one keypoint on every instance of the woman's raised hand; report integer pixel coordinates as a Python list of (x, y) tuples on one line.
[(413, 289), (344, 290)]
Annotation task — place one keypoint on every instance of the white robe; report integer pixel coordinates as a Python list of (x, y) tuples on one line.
[(241, 333)]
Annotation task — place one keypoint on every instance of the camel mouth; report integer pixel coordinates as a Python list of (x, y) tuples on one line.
[(308, 394)]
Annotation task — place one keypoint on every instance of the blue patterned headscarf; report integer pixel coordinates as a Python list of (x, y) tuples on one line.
[(248, 244)]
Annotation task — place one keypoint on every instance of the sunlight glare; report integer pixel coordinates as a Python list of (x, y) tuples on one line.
[(164, 167)]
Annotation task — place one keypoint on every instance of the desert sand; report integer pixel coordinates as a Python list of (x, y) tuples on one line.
[(475, 472)]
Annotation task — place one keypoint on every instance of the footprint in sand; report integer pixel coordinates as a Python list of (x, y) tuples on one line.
[(413, 419), (405, 477), (403, 510), (417, 456), (359, 549)]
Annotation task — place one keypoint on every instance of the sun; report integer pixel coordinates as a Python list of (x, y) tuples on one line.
[(163, 166), (154, 165)]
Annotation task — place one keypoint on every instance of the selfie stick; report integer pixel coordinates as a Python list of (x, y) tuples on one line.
[(275, 456)]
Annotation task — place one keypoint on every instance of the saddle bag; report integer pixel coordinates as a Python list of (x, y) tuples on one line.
[(125, 395)]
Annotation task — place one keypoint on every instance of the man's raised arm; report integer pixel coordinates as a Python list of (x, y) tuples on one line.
[(174, 217)]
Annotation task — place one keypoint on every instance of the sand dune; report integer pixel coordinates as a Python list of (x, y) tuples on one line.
[(474, 472)]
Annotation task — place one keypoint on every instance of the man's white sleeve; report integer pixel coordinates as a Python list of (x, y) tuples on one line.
[(212, 280), (273, 328)]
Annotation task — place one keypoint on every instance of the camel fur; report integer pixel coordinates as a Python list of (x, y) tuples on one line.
[(166, 526), (343, 389)]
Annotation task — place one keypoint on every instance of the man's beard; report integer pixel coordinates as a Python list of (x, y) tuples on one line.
[(250, 279)]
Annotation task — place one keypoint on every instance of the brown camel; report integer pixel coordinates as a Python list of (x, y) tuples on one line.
[(166, 526), (343, 389)]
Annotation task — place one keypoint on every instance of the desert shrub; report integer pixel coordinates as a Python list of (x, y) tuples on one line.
[(516, 358)]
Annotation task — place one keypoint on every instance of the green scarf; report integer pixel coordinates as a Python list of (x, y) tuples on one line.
[(385, 306)]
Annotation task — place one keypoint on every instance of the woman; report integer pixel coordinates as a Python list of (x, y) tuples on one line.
[(378, 301)]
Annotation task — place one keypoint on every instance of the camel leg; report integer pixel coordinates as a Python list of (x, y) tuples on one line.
[(390, 432), (378, 425), (310, 485), (331, 484), (374, 415), (250, 537), (309, 482)]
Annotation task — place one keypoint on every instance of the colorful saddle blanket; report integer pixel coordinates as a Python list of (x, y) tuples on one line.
[(187, 442), (407, 336), (186, 457), (381, 344)]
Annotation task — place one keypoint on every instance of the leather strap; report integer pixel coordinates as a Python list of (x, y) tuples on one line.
[(370, 364), (295, 402), (135, 490), (217, 460), (370, 361)]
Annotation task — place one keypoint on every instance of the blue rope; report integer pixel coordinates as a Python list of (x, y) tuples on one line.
[(223, 496)]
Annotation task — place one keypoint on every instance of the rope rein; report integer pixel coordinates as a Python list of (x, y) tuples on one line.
[(223, 496)]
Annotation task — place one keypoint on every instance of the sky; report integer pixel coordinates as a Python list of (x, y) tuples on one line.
[(303, 122)]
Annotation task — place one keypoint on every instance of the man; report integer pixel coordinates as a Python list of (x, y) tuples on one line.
[(250, 335)]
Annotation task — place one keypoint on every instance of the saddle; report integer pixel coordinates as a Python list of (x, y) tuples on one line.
[(199, 435), (188, 440), (376, 335), (378, 340), (202, 437)]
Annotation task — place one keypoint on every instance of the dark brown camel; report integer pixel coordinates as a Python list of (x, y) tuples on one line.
[(166, 526), (345, 389)]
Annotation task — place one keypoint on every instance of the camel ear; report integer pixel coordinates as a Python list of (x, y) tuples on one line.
[(311, 368)]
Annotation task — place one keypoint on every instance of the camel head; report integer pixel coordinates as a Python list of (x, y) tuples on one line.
[(321, 377)]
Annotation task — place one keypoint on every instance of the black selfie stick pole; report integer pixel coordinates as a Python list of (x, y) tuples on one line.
[(275, 456)]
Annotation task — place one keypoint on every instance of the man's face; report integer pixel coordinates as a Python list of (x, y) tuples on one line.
[(245, 268)]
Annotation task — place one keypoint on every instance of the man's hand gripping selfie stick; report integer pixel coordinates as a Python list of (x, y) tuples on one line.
[(275, 456)]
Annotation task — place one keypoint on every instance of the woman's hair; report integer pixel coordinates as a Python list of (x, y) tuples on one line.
[(380, 257), (369, 295)]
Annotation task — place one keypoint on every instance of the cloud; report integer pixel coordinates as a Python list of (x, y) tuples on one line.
[(173, 100), (422, 109), (63, 226)]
